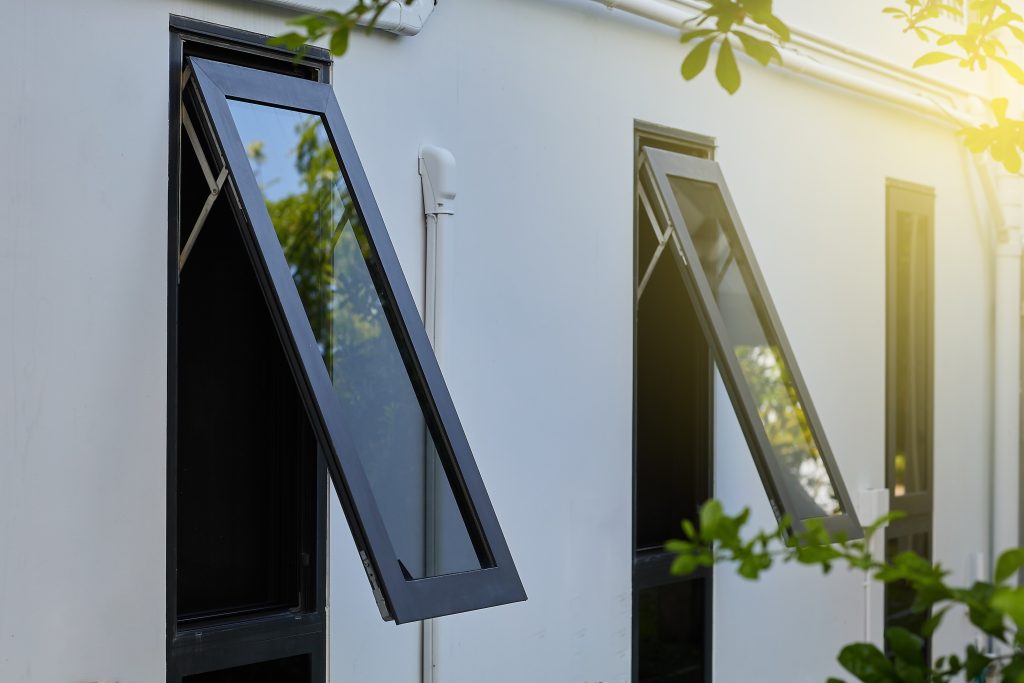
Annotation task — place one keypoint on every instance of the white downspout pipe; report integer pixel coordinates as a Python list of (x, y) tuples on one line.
[(1006, 447), (399, 17), (1006, 357), (437, 179)]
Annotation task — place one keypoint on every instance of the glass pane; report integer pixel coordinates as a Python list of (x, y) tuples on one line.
[(331, 260), (670, 624), (912, 321), (755, 345)]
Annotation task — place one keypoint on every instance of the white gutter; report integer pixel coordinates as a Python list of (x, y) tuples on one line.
[(399, 17), (675, 14)]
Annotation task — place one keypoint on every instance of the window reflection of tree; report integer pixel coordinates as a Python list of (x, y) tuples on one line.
[(785, 422), (327, 251), (763, 366)]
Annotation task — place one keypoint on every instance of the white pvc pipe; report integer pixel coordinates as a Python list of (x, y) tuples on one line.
[(1006, 396), (437, 180), (399, 17)]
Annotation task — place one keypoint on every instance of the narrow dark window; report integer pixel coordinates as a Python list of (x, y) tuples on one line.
[(673, 453), (699, 228), (910, 219), (247, 492)]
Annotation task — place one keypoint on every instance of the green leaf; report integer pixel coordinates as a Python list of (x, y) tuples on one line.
[(982, 608), (777, 27), (1010, 158), (932, 622), (873, 528), (676, 546), (905, 645), (1014, 671), (292, 41), (999, 105), (1010, 601), (726, 71), (692, 66), (1011, 67), (976, 663), (1009, 563), (339, 41), (760, 50), (868, 663), (683, 565), (698, 33), (689, 530), (933, 58)]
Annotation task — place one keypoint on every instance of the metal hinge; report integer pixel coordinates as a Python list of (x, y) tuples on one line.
[(377, 594)]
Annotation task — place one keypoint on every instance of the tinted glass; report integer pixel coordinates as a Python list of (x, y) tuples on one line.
[(911, 426), (333, 264), (670, 625), (751, 338)]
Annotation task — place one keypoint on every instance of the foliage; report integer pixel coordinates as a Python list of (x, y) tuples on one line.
[(996, 608), (981, 43), (731, 20), (337, 25)]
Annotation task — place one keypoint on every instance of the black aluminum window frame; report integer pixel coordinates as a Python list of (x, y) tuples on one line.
[(660, 166), (915, 530), (399, 598), (231, 641), (651, 567)]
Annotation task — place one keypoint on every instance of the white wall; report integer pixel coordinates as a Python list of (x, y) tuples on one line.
[(537, 100)]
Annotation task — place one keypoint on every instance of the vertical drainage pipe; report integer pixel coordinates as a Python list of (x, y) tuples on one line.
[(437, 179), (1006, 390)]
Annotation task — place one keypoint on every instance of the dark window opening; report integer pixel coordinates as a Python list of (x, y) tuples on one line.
[(247, 478), (247, 505), (671, 641), (673, 397), (289, 670), (910, 216), (673, 447)]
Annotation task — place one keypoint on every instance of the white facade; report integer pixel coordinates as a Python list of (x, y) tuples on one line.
[(537, 100)]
